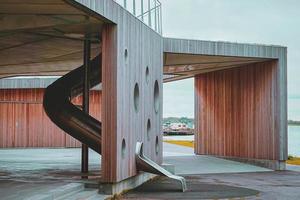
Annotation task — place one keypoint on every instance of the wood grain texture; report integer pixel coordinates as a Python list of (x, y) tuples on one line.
[(230, 49), (23, 122), (237, 112), (109, 106), (120, 75)]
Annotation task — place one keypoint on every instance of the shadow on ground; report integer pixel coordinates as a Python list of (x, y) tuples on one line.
[(163, 188)]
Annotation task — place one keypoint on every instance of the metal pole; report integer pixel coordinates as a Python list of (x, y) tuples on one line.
[(142, 9), (134, 11), (85, 100), (160, 20), (149, 14), (125, 4), (155, 15)]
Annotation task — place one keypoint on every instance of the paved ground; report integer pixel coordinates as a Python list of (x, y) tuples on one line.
[(179, 137), (19, 160), (193, 164), (176, 150), (26, 172), (263, 186), (179, 156), (293, 167)]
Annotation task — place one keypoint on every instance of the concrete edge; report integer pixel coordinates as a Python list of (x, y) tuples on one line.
[(277, 165), (125, 185)]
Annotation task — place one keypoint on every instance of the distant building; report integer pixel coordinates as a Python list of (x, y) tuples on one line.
[(23, 121), (178, 126)]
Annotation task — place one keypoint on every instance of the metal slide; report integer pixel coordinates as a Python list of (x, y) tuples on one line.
[(83, 127), (58, 106), (145, 164)]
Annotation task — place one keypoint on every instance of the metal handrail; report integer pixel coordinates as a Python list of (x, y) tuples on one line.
[(152, 12)]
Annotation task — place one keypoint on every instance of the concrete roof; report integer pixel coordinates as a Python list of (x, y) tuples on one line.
[(184, 58), (14, 83), (30, 83), (45, 38)]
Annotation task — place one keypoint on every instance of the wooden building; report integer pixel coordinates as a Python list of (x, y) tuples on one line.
[(240, 89), (240, 98), (23, 121)]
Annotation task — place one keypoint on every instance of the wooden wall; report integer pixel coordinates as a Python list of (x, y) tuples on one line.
[(128, 49), (23, 122), (237, 112), (218, 48)]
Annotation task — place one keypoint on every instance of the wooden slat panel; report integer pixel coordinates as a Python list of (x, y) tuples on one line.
[(236, 112), (109, 106), (120, 74), (23, 122)]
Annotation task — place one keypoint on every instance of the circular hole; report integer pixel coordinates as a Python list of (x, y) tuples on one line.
[(136, 97), (148, 129), (123, 148), (156, 97), (126, 53), (156, 145), (147, 74)]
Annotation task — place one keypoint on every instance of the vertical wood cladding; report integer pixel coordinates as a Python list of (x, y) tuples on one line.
[(23, 122), (237, 112), (128, 49)]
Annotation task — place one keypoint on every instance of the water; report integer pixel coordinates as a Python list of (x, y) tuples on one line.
[(294, 108), (294, 140)]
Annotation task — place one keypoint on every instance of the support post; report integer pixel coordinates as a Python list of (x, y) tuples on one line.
[(125, 4), (149, 14), (85, 101), (134, 10), (142, 10)]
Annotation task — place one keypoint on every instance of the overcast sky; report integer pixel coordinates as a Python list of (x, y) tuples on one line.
[(251, 21)]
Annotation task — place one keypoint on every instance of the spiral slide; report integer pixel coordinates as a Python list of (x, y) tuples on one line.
[(83, 127), (58, 106)]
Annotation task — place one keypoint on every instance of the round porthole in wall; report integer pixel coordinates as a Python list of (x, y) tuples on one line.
[(148, 129), (156, 96), (136, 97), (126, 53), (147, 74), (123, 150), (156, 145)]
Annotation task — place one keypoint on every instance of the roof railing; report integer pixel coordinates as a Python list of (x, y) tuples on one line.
[(148, 11)]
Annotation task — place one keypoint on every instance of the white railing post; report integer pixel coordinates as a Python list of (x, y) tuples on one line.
[(142, 9), (133, 6), (155, 15), (125, 4), (160, 20), (151, 5), (149, 13)]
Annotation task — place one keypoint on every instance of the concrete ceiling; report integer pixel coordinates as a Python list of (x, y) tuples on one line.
[(44, 37), (182, 66)]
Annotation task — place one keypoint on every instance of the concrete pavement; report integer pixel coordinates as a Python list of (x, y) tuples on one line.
[(31, 172), (281, 185)]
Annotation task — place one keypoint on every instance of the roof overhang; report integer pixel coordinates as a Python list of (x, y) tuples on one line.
[(187, 58), (181, 66), (45, 37)]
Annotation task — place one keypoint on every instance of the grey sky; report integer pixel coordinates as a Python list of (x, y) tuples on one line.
[(251, 21)]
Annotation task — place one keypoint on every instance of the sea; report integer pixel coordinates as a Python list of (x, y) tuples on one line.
[(294, 131), (294, 140)]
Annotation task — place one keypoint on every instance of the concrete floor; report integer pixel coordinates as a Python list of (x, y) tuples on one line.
[(27, 172), (251, 185), (179, 156)]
